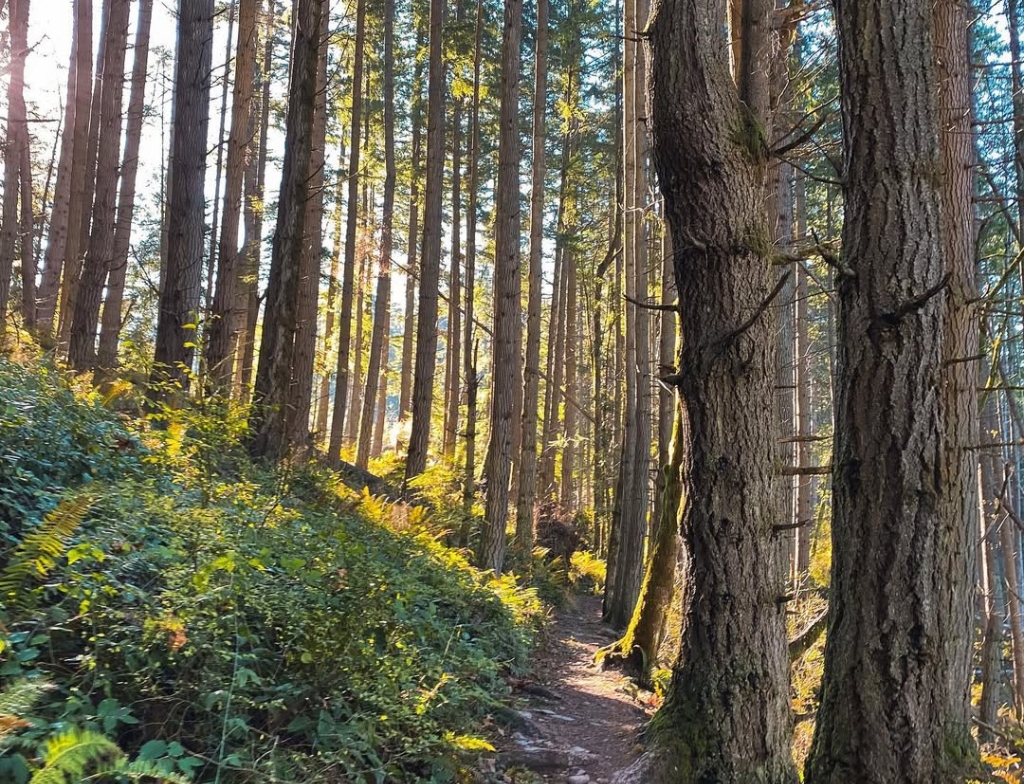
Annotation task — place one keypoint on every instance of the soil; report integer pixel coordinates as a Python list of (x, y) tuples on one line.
[(573, 722)]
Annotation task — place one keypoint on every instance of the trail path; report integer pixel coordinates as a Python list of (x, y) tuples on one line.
[(577, 724)]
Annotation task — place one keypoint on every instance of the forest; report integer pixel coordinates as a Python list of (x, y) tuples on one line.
[(612, 391)]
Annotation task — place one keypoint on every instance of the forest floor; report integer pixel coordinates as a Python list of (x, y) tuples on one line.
[(574, 722)]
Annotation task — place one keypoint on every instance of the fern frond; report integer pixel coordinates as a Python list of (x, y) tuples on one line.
[(38, 552), (73, 756), (16, 701)]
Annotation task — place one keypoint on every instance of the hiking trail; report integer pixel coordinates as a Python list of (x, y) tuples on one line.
[(572, 722)]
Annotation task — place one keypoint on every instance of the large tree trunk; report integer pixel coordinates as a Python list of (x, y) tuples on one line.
[(897, 639), (341, 384), (110, 327), (430, 264), (81, 230), (271, 420), (382, 302), (100, 254), (958, 401), (507, 305), (182, 280), (223, 327), (726, 717), (527, 496), (300, 391)]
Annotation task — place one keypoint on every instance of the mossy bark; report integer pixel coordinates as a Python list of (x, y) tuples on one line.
[(637, 650)]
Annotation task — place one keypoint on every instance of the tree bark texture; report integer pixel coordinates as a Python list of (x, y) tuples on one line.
[(893, 636), (270, 423), (430, 262), (181, 285), (507, 305), (100, 254), (727, 715)]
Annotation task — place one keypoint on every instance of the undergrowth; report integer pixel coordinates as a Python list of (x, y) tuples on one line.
[(176, 605)]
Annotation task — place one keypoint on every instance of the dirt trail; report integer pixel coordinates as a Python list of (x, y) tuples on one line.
[(577, 724)]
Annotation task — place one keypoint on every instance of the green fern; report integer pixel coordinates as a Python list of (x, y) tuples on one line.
[(38, 552), (80, 755), (75, 755), (16, 700)]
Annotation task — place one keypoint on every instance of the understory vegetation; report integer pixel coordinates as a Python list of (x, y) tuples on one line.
[(166, 601)]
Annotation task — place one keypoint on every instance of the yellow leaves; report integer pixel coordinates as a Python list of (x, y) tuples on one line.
[(1001, 765), (469, 743)]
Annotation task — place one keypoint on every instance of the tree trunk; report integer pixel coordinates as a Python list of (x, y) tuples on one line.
[(255, 192), (430, 265), (507, 305), (223, 323), (180, 292), (726, 717), (300, 391), (959, 379), (639, 646), (110, 328), (571, 342), (413, 238), (212, 261), (82, 229), (894, 636), (271, 420), (527, 496), (382, 302), (100, 254), (452, 349), (804, 414), (75, 130), (17, 136), (341, 384), (332, 306), (469, 356)]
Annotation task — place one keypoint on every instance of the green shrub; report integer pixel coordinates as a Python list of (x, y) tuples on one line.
[(240, 624)]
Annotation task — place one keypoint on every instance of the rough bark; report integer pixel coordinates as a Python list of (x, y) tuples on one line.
[(224, 327), (300, 392), (893, 639), (527, 495), (958, 395), (100, 253), (726, 717), (507, 305), (78, 243), (270, 422), (182, 280), (430, 263), (110, 326)]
